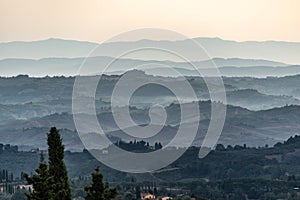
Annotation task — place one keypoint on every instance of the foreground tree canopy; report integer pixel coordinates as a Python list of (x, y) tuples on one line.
[(98, 190), (51, 181)]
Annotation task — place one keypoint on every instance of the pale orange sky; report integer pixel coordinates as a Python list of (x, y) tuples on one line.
[(98, 20)]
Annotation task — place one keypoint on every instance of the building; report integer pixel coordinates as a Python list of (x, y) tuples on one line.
[(147, 196)]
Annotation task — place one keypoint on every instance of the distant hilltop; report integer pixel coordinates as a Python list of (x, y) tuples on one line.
[(286, 52), (70, 67)]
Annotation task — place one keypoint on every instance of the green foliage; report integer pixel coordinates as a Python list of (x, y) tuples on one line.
[(51, 182), (98, 190), (128, 196), (57, 167), (137, 192), (42, 182)]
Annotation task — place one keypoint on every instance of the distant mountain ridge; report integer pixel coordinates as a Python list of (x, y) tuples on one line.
[(287, 52), (71, 66), (45, 48)]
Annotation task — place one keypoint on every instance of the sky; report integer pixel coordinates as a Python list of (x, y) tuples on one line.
[(98, 20)]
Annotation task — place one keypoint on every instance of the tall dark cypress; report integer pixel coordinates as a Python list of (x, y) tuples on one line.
[(138, 192), (98, 190), (57, 167)]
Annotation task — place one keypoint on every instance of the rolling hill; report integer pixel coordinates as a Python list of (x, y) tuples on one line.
[(256, 128), (287, 52)]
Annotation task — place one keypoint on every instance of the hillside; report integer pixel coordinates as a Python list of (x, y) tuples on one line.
[(280, 162), (70, 67), (256, 128), (287, 52), (24, 97)]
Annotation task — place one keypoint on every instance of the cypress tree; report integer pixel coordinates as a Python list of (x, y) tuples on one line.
[(137, 192), (41, 181), (57, 167), (98, 190)]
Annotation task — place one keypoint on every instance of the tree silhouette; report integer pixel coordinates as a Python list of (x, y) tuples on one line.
[(57, 167), (42, 182), (98, 190), (51, 181), (137, 192)]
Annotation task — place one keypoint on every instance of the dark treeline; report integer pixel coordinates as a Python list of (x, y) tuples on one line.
[(138, 146), (230, 172), (51, 180), (7, 182), (8, 148)]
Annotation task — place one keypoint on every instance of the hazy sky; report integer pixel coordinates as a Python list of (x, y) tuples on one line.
[(98, 20)]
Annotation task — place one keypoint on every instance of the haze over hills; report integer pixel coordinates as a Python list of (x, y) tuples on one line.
[(56, 57), (256, 128), (28, 111), (23, 97), (97, 103), (287, 52), (29, 106), (45, 49), (70, 67), (232, 71)]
